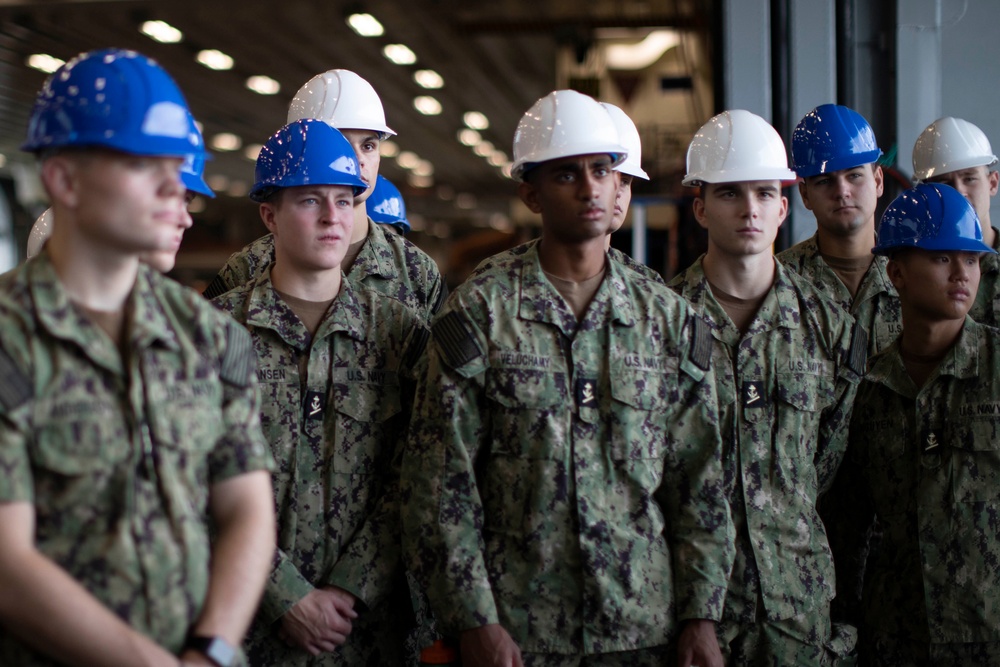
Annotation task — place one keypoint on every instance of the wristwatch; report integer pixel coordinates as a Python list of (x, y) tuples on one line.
[(215, 649)]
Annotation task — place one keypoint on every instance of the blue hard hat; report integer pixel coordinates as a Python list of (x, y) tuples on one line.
[(832, 137), (193, 169), (306, 152), (930, 216), (386, 206), (114, 99)]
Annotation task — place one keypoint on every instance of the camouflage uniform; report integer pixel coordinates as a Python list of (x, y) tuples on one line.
[(337, 437), (387, 263), (117, 454), (986, 309), (876, 305), (928, 463), (563, 479), (626, 260), (785, 390)]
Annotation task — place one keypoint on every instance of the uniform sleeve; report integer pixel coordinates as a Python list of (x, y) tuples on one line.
[(235, 273), (284, 588), (699, 526), (370, 562), (16, 394), (442, 511), (834, 425), (242, 447), (848, 514)]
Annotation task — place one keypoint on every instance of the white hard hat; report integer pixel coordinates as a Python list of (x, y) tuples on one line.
[(737, 146), (564, 123), (342, 99), (40, 233), (629, 137), (950, 144)]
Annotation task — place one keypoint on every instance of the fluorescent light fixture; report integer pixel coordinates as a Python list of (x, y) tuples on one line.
[(418, 181), (252, 151), (213, 59), (365, 25), (226, 141), (475, 120), (483, 149), (427, 105), (400, 54), (264, 85), (408, 160), (428, 78), (424, 168), (161, 31), (469, 137), (44, 62), (388, 148), (641, 54)]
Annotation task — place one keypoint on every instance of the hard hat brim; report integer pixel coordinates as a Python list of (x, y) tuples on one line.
[(839, 163)]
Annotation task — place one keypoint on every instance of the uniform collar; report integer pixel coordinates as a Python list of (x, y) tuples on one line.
[(375, 258), (874, 281), (267, 310), (539, 301), (780, 307), (961, 361), (148, 323)]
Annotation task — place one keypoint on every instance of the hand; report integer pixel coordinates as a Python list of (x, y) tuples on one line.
[(698, 645), (489, 646), (191, 658), (320, 621)]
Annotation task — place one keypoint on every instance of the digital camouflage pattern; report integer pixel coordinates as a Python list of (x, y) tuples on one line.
[(986, 308), (785, 392), (563, 479), (118, 455), (626, 260), (387, 263), (926, 463), (876, 305), (800, 641), (336, 436)]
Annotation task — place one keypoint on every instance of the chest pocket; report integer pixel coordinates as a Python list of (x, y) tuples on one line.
[(187, 418), (532, 415), (974, 462), (79, 437), (643, 404), (365, 428), (800, 400)]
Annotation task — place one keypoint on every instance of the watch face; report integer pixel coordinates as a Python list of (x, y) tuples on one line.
[(215, 649)]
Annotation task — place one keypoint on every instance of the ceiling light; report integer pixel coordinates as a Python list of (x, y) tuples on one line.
[(226, 141), (399, 54), (428, 78), (469, 137), (642, 54), (3, 160), (424, 168), (506, 169), (418, 181), (427, 105), (483, 149), (497, 159), (388, 148), (197, 205), (445, 192), (476, 120), (252, 151), (238, 189), (365, 25), (161, 31), (465, 201), (44, 62), (213, 59), (218, 182), (263, 85), (408, 160)]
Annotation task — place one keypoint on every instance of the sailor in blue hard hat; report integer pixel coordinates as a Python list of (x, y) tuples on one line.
[(835, 154), (386, 206), (126, 401), (922, 461)]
